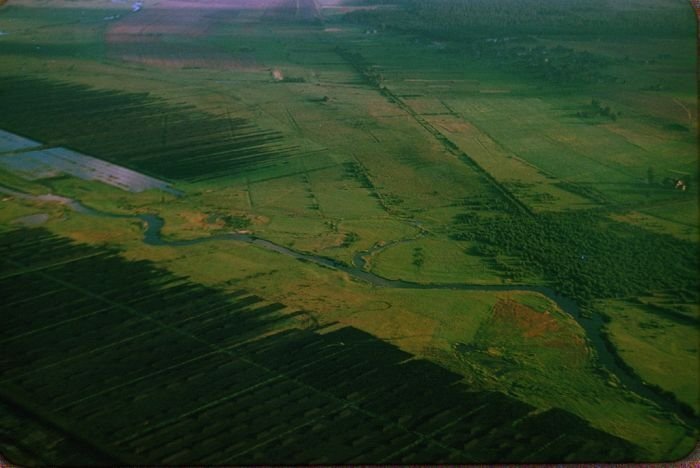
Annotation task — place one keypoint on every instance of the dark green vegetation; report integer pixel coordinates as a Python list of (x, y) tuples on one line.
[(586, 256), (465, 19), (590, 258), (597, 110), (176, 373), (137, 131), (230, 221)]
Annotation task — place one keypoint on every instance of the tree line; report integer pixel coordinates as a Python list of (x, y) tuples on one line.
[(463, 19)]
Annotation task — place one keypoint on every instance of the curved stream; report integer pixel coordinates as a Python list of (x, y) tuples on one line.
[(592, 325)]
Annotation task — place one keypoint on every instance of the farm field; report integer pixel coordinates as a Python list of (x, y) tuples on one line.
[(348, 231)]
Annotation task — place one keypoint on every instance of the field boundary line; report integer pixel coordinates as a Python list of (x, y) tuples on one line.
[(182, 416), (39, 268), (387, 459), (66, 430), (282, 434), (53, 325), (134, 380)]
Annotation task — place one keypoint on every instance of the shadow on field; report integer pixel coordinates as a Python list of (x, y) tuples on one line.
[(148, 134), (123, 362)]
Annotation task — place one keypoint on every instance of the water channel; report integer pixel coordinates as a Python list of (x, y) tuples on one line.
[(591, 324)]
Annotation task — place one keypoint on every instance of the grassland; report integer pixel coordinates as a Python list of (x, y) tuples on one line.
[(659, 344), (443, 261), (467, 154)]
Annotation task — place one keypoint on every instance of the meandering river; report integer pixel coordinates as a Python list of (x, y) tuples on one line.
[(592, 325)]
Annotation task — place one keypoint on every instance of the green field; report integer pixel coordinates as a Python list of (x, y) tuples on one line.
[(443, 170), (658, 342)]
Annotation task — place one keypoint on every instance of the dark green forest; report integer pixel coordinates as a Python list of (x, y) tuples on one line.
[(584, 255), (469, 19)]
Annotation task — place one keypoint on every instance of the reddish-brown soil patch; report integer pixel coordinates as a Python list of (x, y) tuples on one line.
[(528, 321), (540, 327)]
